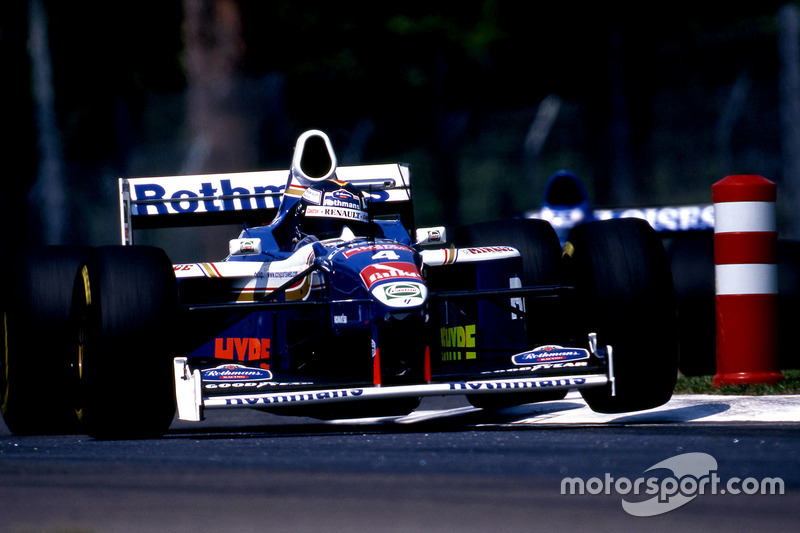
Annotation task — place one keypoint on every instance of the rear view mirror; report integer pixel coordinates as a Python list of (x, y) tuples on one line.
[(432, 235), (244, 246)]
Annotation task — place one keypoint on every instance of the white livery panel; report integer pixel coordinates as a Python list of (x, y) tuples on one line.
[(450, 256)]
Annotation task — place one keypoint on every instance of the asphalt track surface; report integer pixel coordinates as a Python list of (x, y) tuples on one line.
[(445, 467)]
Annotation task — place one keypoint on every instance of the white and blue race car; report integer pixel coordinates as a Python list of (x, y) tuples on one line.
[(330, 304)]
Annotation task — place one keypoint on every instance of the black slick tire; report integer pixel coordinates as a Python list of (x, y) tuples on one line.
[(36, 385), (125, 300), (539, 247), (625, 295)]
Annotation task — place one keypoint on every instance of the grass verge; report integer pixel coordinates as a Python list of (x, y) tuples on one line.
[(702, 385)]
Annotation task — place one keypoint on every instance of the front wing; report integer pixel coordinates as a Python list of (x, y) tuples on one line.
[(192, 401)]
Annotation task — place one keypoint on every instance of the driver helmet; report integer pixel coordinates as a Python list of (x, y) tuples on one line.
[(328, 206)]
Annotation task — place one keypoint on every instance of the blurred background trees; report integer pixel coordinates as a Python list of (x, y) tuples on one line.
[(649, 104)]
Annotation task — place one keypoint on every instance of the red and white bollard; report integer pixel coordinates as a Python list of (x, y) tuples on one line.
[(746, 270)]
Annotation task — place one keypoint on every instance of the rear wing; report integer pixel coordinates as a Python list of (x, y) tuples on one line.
[(250, 198)]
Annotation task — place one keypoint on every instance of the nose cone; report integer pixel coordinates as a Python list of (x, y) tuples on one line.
[(401, 294), (395, 284)]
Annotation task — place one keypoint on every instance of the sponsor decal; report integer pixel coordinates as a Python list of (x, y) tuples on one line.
[(239, 385), (333, 202), (342, 194), (434, 235), (227, 373), (342, 198), (488, 250), (312, 196), (248, 246), (291, 398), (393, 270), (499, 385), (336, 212), (402, 290), (375, 248), (549, 354), (205, 199), (678, 218), (401, 294), (458, 337), (241, 349), (278, 274), (250, 385)]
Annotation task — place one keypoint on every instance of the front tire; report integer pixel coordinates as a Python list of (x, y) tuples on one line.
[(125, 300), (625, 295)]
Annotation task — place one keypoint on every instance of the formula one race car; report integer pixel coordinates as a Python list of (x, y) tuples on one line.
[(566, 204), (327, 307)]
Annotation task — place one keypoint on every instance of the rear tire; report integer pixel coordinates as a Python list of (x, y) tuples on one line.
[(540, 249), (625, 295), (36, 388), (125, 300), (536, 241)]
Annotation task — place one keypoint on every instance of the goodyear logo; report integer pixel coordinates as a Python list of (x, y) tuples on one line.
[(458, 337)]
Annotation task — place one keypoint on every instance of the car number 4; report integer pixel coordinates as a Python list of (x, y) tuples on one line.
[(386, 254)]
